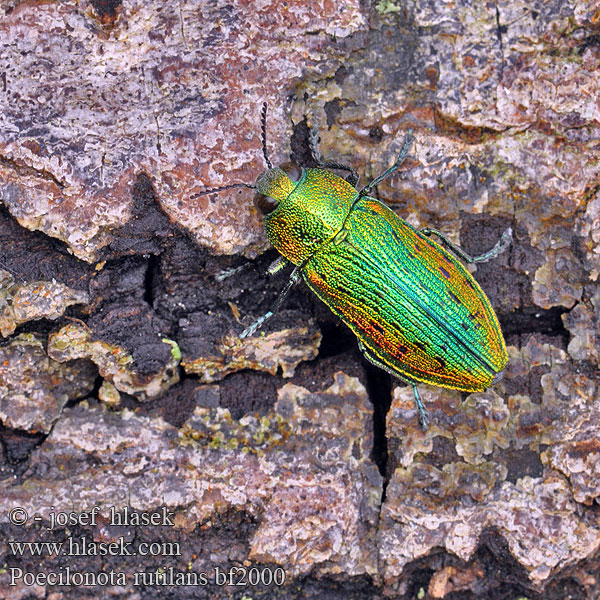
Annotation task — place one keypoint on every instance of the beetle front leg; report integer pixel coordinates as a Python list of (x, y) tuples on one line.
[(313, 143), (278, 265), (501, 245), (294, 278), (423, 415), (230, 272), (408, 139)]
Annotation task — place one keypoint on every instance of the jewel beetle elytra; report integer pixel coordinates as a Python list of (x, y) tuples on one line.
[(416, 311)]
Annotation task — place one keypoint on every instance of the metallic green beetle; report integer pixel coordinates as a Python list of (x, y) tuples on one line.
[(416, 311)]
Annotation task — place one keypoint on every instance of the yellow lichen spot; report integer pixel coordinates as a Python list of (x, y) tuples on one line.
[(385, 7)]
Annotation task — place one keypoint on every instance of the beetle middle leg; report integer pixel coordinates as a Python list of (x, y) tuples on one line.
[(501, 245), (313, 143), (423, 415), (294, 278)]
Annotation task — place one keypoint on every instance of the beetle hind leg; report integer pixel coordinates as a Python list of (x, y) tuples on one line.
[(501, 245), (423, 414)]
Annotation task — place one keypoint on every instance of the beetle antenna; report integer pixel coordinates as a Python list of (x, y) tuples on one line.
[(264, 134), (220, 189)]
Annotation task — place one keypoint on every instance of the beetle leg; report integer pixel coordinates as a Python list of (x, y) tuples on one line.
[(423, 415), (403, 152), (313, 142), (352, 178), (501, 245), (294, 278), (229, 272), (277, 265)]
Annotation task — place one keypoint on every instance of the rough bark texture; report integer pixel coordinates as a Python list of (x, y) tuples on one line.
[(124, 383)]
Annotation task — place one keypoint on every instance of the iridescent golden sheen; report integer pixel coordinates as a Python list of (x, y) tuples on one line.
[(310, 215), (413, 305)]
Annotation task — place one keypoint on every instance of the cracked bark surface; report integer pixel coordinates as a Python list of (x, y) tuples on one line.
[(122, 378)]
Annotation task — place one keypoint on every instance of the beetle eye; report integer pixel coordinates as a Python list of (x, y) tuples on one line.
[(265, 204), (292, 170)]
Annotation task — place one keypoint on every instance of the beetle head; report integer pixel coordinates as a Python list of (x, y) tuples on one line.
[(274, 186)]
